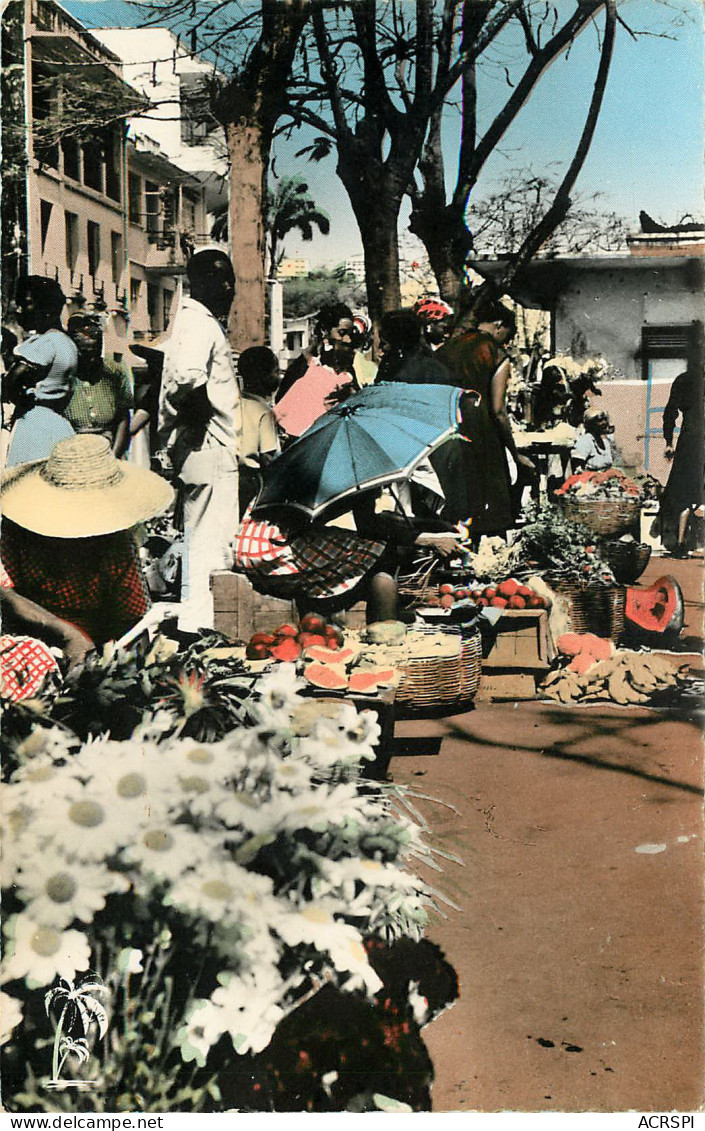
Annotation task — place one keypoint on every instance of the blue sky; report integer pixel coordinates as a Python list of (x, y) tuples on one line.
[(647, 152)]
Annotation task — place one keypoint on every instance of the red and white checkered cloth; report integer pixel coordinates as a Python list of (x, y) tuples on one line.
[(321, 561), (24, 665), (6, 581)]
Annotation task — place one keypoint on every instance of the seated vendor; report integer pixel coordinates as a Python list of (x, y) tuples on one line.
[(326, 568), (66, 541), (592, 450)]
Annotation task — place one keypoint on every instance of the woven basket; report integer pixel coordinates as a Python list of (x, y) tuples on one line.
[(596, 610), (603, 516), (448, 681), (627, 560)]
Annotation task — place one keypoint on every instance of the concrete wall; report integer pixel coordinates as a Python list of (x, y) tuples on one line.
[(601, 312)]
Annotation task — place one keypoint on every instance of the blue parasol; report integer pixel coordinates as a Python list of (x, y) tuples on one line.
[(375, 437)]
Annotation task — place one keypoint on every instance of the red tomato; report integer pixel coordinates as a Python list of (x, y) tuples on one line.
[(499, 602), (256, 651)]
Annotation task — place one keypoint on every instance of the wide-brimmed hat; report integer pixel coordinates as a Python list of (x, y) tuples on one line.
[(81, 491)]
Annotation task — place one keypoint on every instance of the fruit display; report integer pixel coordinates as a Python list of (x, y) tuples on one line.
[(288, 642), (625, 678), (508, 594), (609, 484), (657, 610), (330, 660)]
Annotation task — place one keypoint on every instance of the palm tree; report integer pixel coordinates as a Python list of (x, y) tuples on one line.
[(289, 208), (78, 1006)]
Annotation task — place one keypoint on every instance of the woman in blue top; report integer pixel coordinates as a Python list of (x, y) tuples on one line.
[(41, 379), (592, 450)]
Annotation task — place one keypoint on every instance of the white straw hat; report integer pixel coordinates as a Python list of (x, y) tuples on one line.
[(81, 491)]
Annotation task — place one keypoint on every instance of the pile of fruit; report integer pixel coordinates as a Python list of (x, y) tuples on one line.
[(288, 642), (331, 660), (508, 594), (590, 667), (609, 484)]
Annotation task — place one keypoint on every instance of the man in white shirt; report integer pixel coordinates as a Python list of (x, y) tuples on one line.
[(198, 424)]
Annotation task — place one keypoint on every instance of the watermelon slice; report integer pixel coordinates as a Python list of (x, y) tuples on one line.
[(326, 676), (330, 655), (367, 682), (656, 610)]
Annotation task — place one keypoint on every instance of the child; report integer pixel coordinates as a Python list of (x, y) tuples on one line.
[(258, 368)]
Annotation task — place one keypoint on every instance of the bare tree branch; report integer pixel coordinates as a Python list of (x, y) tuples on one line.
[(561, 203)]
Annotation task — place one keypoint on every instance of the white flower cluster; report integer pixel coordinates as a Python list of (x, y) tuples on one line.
[(186, 823)]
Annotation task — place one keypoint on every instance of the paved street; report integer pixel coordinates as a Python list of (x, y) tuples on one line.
[(579, 941)]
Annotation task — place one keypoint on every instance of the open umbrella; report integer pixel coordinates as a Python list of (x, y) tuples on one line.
[(375, 437)]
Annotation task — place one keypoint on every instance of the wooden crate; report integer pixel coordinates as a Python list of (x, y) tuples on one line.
[(499, 686), (354, 618), (519, 641), (239, 610)]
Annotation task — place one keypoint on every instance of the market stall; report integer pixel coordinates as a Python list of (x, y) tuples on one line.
[(195, 866)]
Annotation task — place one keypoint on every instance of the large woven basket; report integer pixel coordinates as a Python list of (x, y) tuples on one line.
[(594, 609), (604, 517), (627, 560), (443, 682)]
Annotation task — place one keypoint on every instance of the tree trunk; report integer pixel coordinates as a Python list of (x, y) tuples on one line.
[(248, 162), (380, 243), (448, 244)]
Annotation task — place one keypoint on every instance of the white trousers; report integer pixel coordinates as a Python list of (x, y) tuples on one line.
[(209, 493)]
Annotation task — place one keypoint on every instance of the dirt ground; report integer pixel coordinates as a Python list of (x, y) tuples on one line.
[(579, 942)]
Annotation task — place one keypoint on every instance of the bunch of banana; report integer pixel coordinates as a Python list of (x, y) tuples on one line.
[(626, 678)]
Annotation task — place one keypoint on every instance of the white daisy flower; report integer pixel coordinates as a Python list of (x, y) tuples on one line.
[(97, 755), (202, 1029), (316, 926), (39, 954), (372, 873), (220, 888), (135, 790), (86, 825), (10, 1016), (278, 691), (165, 850), (240, 810), (329, 746), (320, 807), (292, 774), (154, 726), (211, 763), (52, 743), (56, 890), (251, 1008), (37, 785)]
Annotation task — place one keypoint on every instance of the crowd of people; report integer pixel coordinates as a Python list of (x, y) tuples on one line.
[(71, 499)]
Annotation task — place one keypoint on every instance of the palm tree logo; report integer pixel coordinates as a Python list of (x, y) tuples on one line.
[(78, 1007)]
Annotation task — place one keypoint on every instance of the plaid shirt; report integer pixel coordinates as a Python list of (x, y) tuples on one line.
[(98, 407), (95, 583), (323, 561)]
